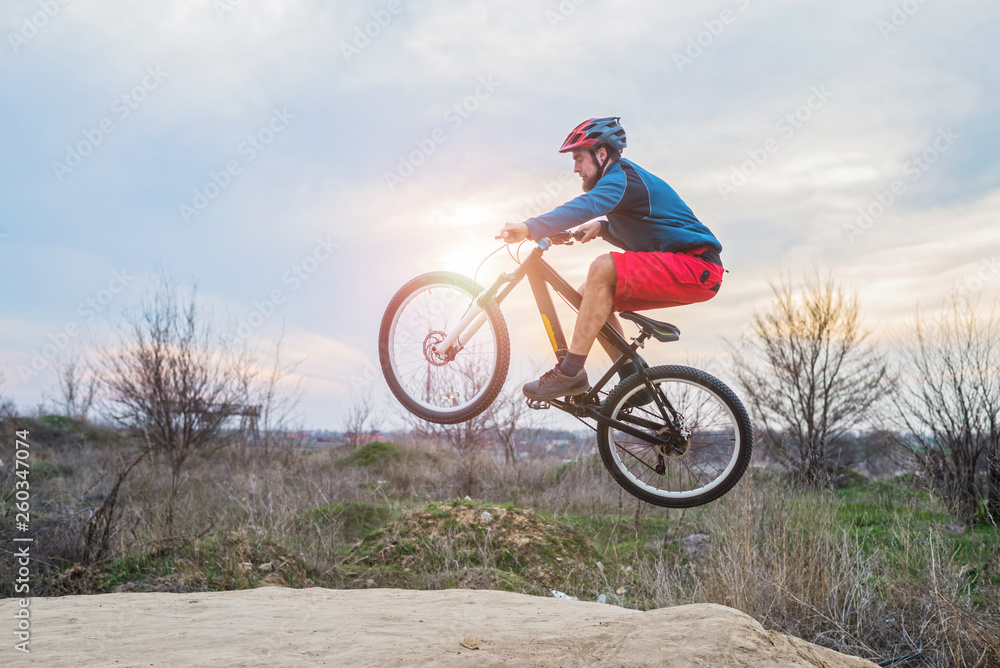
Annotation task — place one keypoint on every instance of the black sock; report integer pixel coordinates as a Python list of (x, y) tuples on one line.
[(627, 370), (572, 364)]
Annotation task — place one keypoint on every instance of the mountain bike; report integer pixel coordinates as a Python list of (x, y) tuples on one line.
[(671, 435)]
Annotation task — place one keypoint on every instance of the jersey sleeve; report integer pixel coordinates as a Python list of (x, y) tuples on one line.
[(598, 202)]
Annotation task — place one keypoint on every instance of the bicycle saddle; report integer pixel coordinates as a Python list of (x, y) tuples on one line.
[(663, 332)]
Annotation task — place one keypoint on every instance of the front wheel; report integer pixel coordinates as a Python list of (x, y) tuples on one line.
[(708, 433), (460, 384)]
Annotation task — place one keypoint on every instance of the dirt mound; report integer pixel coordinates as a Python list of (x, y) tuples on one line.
[(276, 626), (478, 546)]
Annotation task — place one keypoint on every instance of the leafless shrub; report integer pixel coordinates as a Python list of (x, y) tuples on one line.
[(363, 417), (948, 410), (270, 412), (77, 387), (104, 522), (511, 423), (808, 374), (173, 380)]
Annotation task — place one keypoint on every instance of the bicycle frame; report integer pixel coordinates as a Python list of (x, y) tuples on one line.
[(540, 275)]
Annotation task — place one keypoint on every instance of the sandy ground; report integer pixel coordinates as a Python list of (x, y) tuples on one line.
[(275, 626)]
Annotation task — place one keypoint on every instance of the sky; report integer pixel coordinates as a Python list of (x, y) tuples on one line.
[(324, 153)]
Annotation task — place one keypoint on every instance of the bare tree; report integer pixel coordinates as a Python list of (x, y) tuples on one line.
[(8, 411), (173, 380), (808, 374), (511, 422), (273, 395), (363, 417), (949, 406), (77, 387)]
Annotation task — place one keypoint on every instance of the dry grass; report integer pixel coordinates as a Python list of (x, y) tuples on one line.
[(871, 572)]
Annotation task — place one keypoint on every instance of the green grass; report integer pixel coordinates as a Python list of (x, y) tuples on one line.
[(878, 553), (376, 453)]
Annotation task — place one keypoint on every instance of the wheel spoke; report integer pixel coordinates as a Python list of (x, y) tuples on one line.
[(703, 446), (426, 376)]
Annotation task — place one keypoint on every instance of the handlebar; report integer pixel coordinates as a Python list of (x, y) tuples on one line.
[(561, 239), (565, 238)]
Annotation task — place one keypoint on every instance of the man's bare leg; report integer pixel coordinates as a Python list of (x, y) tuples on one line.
[(615, 323), (598, 296), (569, 378)]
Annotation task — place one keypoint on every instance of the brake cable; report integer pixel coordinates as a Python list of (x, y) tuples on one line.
[(476, 275)]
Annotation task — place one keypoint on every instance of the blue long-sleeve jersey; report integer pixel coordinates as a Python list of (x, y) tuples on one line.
[(643, 212)]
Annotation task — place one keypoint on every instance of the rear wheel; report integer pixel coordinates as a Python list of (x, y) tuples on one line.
[(448, 388), (708, 433)]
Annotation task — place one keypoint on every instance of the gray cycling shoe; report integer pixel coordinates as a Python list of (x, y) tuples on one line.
[(554, 384)]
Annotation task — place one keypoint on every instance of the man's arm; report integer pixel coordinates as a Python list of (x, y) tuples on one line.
[(598, 202)]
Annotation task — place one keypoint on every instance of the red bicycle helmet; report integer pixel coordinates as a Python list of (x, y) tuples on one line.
[(596, 131)]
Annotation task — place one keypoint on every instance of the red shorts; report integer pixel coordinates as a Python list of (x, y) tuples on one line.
[(659, 280)]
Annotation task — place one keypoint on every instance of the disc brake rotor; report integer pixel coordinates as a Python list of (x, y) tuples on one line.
[(430, 349)]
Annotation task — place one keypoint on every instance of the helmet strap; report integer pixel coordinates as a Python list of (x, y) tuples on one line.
[(600, 164)]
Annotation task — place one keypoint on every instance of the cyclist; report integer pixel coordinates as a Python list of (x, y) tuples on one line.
[(670, 258)]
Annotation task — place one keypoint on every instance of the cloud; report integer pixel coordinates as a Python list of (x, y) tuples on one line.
[(416, 76)]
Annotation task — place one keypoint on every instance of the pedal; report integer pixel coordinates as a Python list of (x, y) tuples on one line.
[(537, 404)]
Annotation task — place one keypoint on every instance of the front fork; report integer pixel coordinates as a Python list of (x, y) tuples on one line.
[(475, 316)]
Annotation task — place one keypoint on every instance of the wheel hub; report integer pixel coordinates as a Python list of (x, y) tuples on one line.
[(678, 443), (431, 353)]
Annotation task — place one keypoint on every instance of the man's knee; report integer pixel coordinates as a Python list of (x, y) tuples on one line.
[(602, 270)]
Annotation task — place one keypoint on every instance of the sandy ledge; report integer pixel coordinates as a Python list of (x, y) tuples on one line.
[(276, 626)]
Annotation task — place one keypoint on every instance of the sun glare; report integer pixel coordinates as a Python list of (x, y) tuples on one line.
[(468, 230)]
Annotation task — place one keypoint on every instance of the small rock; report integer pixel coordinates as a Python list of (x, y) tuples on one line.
[(602, 599), (600, 566), (266, 568), (487, 516), (954, 528), (565, 597), (695, 544), (620, 591)]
